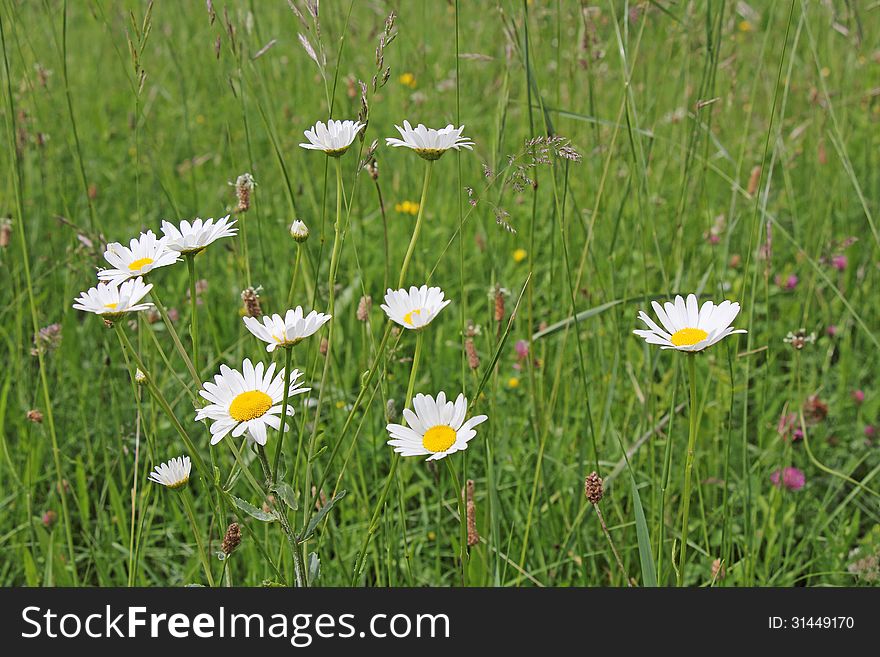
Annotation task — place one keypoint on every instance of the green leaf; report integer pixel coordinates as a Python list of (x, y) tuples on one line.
[(320, 516), (287, 495), (251, 510), (646, 557)]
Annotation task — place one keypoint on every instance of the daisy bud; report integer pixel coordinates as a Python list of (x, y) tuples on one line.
[(35, 415), (139, 377), (49, 519), (364, 307), (593, 488), (299, 231), (472, 536), (232, 539)]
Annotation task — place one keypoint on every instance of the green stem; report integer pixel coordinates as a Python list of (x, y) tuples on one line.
[(203, 555), (288, 353), (194, 315), (688, 466), (334, 265), (175, 338), (395, 459), (418, 228)]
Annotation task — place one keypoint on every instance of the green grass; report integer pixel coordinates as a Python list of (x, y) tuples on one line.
[(689, 118)]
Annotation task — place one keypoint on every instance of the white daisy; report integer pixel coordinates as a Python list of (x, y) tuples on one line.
[(173, 474), (415, 308), (428, 142), (196, 236), (687, 326), (286, 331), (144, 254), (334, 138), (112, 300), (246, 401), (437, 428)]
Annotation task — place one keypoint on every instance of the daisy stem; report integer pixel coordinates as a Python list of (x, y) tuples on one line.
[(282, 517), (296, 264), (418, 228), (395, 459), (689, 464), (334, 264), (203, 555), (288, 354), (175, 338), (462, 516), (194, 315)]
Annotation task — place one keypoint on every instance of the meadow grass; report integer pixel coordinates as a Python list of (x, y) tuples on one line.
[(727, 149)]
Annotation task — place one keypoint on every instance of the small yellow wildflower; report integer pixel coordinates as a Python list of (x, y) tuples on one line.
[(513, 382), (519, 255), (340, 404), (407, 207), (200, 119), (825, 71), (745, 26), (408, 80)]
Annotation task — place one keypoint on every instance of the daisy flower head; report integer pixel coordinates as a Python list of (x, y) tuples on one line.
[(688, 327), (429, 143), (112, 300), (144, 254), (190, 238), (333, 138), (416, 308), (436, 429), (173, 474), (286, 331), (249, 400)]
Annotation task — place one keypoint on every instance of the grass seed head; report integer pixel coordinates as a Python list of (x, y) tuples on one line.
[(593, 488)]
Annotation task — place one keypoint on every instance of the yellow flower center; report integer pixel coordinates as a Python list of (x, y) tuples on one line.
[(688, 336), (407, 319), (140, 263), (111, 306), (250, 405), (439, 438)]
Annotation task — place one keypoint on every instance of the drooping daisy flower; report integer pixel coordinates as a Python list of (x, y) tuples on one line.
[(249, 400), (143, 254), (112, 300), (193, 237), (436, 428), (415, 308), (428, 142), (173, 474), (287, 331), (334, 138), (687, 326)]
